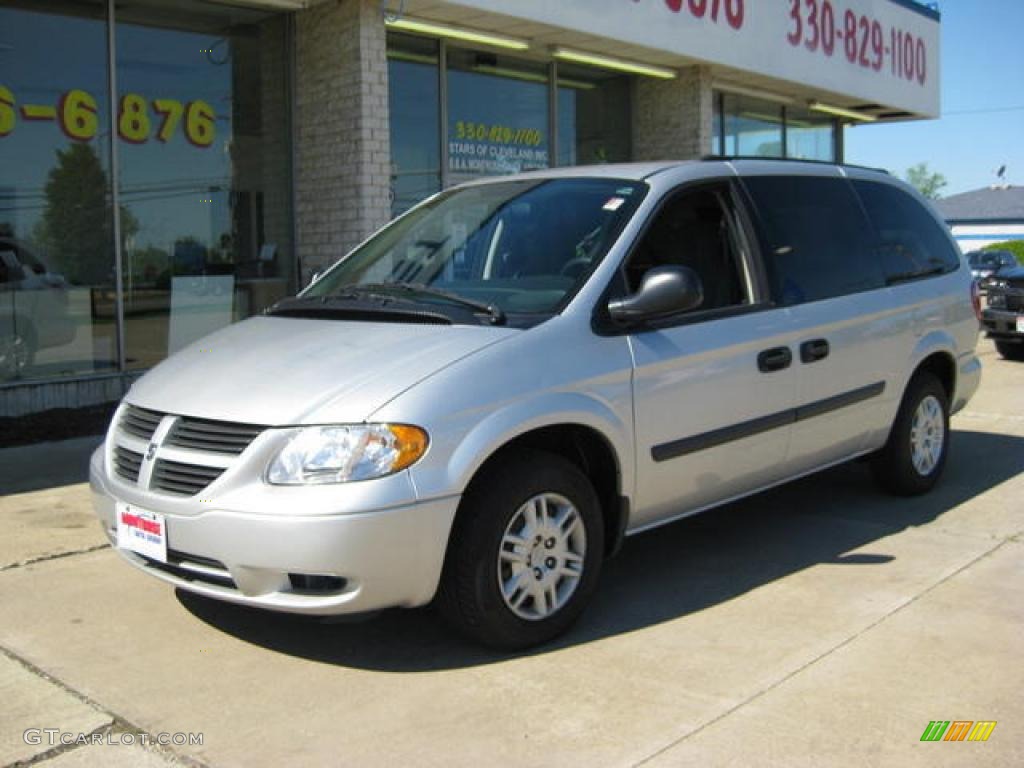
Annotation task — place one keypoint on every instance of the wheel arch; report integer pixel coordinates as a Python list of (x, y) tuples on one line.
[(582, 430), (591, 453)]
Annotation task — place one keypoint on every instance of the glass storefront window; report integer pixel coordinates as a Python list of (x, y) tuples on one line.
[(415, 114), (497, 115), (810, 135), (205, 172), (753, 128), (593, 116), (57, 308), (746, 126)]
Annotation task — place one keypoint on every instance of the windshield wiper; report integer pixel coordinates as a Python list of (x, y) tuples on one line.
[(353, 305), (389, 289)]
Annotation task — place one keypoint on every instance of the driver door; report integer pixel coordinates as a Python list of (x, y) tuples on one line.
[(713, 388)]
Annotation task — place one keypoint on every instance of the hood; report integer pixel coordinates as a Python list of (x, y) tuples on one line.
[(278, 371), (1016, 274)]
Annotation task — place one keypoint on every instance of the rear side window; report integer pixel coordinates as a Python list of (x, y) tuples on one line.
[(912, 244), (815, 236)]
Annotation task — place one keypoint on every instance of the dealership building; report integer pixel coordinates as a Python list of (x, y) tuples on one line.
[(167, 168)]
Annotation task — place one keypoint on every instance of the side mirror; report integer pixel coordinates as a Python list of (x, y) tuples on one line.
[(664, 291)]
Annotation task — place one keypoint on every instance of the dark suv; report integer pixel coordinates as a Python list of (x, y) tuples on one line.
[(986, 266), (1004, 316)]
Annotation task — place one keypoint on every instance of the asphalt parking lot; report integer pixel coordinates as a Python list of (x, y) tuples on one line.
[(822, 623)]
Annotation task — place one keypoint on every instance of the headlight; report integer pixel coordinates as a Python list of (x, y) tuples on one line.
[(343, 454)]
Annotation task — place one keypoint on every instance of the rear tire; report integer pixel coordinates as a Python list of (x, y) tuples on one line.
[(525, 553), (913, 458), (1010, 351)]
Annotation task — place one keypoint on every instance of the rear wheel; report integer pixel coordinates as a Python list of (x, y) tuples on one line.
[(915, 455), (1010, 350), (525, 554)]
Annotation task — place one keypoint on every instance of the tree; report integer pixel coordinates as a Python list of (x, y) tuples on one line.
[(927, 183), (75, 226)]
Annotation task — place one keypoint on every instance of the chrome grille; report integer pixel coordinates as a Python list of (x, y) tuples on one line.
[(183, 479), (212, 436), (127, 463), (139, 422)]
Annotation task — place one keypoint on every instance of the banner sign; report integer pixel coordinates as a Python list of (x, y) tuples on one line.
[(875, 51)]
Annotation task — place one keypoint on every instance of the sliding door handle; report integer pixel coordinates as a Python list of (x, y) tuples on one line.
[(814, 350), (775, 359)]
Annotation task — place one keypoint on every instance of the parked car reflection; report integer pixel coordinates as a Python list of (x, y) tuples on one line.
[(33, 309)]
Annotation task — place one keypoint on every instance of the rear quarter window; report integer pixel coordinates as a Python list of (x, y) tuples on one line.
[(815, 237), (911, 243)]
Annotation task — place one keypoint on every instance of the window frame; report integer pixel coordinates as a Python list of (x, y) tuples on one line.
[(753, 276)]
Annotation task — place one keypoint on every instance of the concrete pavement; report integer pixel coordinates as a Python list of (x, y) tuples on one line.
[(822, 623)]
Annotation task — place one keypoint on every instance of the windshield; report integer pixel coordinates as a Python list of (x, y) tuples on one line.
[(519, 247), (991, 259)]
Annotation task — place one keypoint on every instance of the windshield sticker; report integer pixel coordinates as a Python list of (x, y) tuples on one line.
[(614, 204)]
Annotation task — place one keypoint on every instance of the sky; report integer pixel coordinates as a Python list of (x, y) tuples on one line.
[(982, 123)]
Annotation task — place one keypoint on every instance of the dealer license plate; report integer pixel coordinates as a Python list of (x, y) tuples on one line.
[(142, 532)]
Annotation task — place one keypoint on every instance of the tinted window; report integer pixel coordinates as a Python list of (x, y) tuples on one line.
[(913, 244), (815, 236), (694, 229)]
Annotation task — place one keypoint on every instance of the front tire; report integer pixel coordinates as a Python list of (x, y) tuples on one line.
[(1010, 351), (915, 455), (525, 554)]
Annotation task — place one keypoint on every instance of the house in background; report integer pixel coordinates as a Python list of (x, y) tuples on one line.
[(985, 216)]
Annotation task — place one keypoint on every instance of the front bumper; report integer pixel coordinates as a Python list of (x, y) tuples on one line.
[(1001, 324), (371, 560)]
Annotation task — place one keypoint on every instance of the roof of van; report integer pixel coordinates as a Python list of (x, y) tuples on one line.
[(640, 171)]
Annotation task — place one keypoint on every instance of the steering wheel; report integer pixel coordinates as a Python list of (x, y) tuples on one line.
[(575, 266)]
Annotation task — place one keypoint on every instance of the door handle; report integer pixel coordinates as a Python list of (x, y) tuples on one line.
[(814, 350), (775, 359)]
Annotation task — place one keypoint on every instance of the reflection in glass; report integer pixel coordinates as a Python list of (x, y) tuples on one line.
[(593, 116), (415, 120), (753, 128), (522, 246), (809, 135), (497, 115), (57, 309), (204, 173)]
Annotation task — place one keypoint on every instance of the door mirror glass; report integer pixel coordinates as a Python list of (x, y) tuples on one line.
[(664, 291)]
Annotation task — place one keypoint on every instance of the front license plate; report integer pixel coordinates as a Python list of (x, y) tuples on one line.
[(1020, 323), (142, 532)]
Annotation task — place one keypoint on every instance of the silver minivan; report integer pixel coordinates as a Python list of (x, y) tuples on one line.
[(478, 404)]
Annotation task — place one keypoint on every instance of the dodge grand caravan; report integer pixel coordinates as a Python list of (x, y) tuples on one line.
[(479, 403)]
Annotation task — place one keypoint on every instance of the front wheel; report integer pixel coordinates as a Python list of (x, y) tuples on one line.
[(915, 455), (1010, 351), (525, 553)]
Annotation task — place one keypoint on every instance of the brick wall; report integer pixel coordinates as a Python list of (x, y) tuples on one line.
[(341, 135), (672, 119)]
